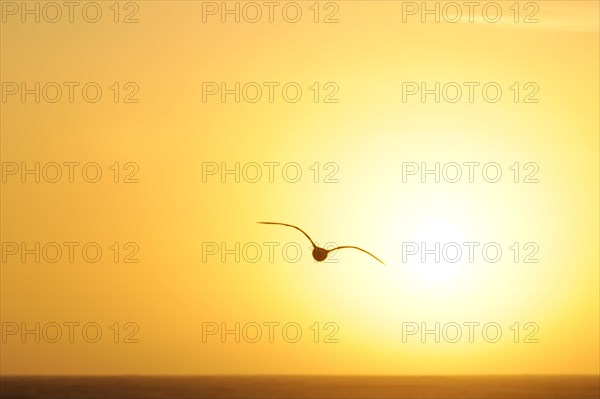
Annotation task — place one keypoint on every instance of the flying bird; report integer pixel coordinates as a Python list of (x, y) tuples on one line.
[(318, 253)]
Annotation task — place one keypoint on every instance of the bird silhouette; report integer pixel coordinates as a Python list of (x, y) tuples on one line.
[(318, 253)]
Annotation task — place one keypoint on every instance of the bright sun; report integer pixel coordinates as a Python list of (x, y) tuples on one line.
[(437, 257)]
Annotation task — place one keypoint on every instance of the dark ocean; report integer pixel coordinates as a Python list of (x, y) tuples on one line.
[(496, 387)]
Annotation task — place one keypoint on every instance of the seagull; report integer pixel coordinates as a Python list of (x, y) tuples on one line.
[(320, 254)]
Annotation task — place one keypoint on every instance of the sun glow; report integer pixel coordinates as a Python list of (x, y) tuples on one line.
[(352, 191)]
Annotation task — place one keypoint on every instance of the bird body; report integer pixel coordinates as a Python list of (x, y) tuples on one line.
[(318, 253)]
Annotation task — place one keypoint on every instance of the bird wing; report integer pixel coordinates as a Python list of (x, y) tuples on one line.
[(295, 227), (360, 249)]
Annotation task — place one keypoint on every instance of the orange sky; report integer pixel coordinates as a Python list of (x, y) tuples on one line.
[(351, 136)]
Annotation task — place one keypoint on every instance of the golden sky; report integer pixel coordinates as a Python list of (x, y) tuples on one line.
[(162, 136)]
